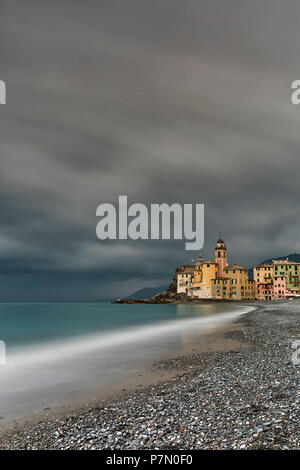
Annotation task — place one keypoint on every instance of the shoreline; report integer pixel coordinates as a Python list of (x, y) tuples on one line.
[(67, 374), (235, 393), (149, 373), (179, 299)]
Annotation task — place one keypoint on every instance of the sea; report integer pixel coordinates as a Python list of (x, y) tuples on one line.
[(56, 354)]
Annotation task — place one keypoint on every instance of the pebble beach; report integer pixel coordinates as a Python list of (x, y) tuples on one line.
[(244, 398)]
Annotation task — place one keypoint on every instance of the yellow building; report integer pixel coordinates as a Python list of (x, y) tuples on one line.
[(242, 287), (201, 285), (216, 280), (221, 288), (251, 290), (263, 273)]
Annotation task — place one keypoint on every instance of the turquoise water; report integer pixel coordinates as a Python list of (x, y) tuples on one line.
[(24, 324), (61, 353)]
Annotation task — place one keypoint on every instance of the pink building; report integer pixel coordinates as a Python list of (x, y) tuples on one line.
[(280, 289), (265, 291)]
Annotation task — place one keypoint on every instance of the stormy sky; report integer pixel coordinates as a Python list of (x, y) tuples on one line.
[(163, 101)]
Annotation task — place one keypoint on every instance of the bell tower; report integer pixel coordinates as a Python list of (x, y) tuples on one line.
[(221, 256)]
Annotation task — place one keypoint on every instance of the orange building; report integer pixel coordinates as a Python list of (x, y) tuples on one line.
[(263, 276), (242, 288)]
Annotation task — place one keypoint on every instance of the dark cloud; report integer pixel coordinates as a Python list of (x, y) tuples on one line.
[(163, 101)]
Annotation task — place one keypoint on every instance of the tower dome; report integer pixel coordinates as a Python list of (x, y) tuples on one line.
[(220, 244)]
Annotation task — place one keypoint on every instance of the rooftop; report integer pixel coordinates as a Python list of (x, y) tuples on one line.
[(235, 267)]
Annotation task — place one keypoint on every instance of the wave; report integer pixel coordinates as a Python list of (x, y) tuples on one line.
[(72, 348)]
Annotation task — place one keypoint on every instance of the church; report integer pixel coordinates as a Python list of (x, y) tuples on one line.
[(215, 279)]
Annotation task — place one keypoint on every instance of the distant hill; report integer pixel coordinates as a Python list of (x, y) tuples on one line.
[(292, 257), (147, 292)]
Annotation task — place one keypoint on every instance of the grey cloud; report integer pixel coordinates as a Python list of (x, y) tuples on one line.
[(163, 101)]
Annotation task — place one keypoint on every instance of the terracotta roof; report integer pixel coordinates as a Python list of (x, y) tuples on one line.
[(283, 261), (263, 265), (235, 267)]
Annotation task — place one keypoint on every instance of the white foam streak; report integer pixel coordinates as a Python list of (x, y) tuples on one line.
[(75, 348)]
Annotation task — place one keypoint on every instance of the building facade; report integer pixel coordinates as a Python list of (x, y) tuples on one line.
[(184, 274), (277, 280), (214, 279)]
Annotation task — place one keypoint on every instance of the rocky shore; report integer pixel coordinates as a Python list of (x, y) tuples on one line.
[(166, 297), (169, 297), (240, 399), (162, 298)]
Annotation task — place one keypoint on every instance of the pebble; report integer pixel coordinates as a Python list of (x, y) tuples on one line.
[(241, 399)]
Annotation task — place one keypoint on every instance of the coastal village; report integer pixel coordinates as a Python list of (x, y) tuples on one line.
[(216, 280)]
